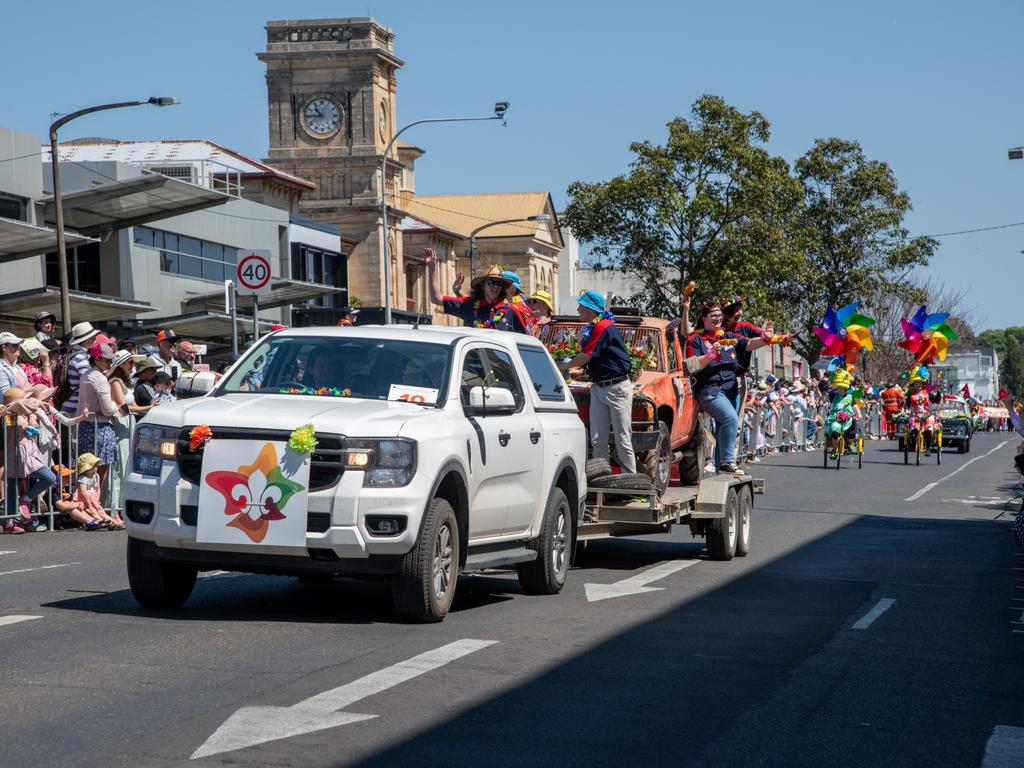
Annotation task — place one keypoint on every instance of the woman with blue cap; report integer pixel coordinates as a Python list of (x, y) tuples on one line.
[(611, 392)]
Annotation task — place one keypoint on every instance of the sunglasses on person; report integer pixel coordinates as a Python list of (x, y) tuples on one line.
[(492, 283)]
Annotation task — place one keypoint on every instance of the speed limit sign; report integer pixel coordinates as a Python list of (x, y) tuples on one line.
[(252, 275)]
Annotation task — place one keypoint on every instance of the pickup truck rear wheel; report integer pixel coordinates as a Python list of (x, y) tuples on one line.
[(657, 462), (546, 575), (722, 532), (155, 584), (424, 586)]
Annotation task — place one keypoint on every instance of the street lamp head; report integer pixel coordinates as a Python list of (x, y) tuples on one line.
[(163, 101), (1017, 153), (500, 108)]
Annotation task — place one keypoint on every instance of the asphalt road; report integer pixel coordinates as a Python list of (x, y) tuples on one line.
[(871, 625)]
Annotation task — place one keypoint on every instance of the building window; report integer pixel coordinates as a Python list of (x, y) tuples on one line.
[(316, 265), (83, 268), (12, 208), (189, 256)]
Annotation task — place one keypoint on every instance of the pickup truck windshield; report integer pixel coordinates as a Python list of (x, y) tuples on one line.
[(370, 369)]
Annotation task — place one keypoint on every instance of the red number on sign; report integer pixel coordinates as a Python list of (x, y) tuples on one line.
[(412, 398)]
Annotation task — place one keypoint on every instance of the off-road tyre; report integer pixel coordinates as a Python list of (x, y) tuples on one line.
[(546, 575), (691, 465), (155, 584), (415, 591), (657, 462), (721, 533), (596, 468), (628, 480)]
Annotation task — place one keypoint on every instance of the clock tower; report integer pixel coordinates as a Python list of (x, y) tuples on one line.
[(331, 93)]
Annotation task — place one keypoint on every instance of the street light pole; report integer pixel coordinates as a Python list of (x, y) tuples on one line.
[(500, 109), (62, 256), (481, 228)]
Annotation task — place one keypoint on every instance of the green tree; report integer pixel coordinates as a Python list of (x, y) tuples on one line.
[(851, 231), (999, 337), (710, 205), (1011, 369)]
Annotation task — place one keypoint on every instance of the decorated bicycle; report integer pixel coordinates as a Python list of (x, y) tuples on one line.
[(927, 336), (843, 333)]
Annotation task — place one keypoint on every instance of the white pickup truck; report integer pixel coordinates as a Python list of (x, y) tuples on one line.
[(438, 451)]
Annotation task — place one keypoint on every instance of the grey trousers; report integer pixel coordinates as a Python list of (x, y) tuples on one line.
[(612, 407)]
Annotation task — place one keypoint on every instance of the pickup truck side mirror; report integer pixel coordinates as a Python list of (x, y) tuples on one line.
[(492, 401)]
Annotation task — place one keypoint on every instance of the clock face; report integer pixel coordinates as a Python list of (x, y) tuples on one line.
[(383, 120), (321, 117)]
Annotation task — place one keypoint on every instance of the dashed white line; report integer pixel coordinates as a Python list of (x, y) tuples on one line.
[(8, 552), (961, 468), (868, 618), (1005, 748), (16, 619), (40, 568)]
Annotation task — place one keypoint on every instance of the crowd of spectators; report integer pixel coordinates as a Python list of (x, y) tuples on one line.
[(67, 409)]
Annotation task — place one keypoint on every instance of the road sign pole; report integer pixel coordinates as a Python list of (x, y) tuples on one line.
[(255, 318), (231, 304)]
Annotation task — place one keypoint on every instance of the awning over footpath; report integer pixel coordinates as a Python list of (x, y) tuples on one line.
[(206, 324), (94, 307), (19, 240), (138, 200), (283, 291)]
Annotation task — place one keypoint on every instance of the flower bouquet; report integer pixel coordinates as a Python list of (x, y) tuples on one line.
[(639, 361)]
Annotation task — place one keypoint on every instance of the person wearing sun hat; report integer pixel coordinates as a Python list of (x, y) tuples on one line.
[(11, 374), (97, 434), (542, 307), (82, 337), (43, 325), (477, 309), (608, 363), (514, 315)]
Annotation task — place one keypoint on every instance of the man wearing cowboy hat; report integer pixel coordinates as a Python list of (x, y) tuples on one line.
[(475, 310)]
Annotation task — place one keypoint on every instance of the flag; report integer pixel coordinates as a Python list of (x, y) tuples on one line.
[(1003, 394), (966, 391)]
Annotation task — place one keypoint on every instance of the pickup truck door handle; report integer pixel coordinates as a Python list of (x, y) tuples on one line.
[(534, 436), (503, 438)]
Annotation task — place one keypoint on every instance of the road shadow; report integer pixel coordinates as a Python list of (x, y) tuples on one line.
[(252, 597), (766, 670)]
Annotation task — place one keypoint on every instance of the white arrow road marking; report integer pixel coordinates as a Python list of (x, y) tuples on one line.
[(1005, 748), (635, 585), (250, 726), (868, 618), (16, 619), (961, 468)]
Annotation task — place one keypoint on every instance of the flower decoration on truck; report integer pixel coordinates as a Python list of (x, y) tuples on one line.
[(303, 439), (199, 436), (319, 391)]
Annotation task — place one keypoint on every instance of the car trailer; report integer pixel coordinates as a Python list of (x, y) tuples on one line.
[(718, 509)]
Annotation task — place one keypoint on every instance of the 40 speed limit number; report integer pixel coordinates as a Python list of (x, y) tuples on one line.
[(253, 273)]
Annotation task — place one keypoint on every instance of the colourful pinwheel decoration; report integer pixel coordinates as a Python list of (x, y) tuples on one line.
[(845, 332), (927, 336)]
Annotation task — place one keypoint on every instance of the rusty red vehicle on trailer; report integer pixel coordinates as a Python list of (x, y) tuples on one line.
[(666, 423)]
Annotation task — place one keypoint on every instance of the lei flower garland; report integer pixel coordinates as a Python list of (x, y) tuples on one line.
[(199, 436), (589, 327), (321, 391), (303, 439)]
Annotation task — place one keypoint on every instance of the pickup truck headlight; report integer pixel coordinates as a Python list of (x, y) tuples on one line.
[(387, 463), (152, 444)]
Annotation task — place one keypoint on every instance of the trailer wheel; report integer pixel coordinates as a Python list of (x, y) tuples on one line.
[(743, 529), (722, 532)]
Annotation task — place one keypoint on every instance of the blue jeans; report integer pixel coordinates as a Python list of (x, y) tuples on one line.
[(720, 408)]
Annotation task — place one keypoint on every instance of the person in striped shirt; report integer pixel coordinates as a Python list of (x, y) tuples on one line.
[(82, 336)]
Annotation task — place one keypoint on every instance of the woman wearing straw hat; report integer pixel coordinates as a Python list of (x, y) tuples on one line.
[(477, 309), (542, 307)]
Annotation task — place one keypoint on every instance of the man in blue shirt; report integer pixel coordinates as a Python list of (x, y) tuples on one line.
[(611, 392)]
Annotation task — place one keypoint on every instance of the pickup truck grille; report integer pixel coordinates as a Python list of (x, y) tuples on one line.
[(326, 463)]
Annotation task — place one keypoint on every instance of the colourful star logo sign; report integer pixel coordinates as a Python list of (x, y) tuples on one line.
[(256, 494)]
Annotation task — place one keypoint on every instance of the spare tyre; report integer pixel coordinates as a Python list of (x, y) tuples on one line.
[(596, 468), (633, 481)]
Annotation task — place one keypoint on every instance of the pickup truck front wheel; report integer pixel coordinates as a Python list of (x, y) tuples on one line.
[(546, 575), (155, 584), (424, 586)]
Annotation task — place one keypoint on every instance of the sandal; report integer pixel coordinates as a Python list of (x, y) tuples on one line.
[(117, 526), (12, 527), (92, 525)]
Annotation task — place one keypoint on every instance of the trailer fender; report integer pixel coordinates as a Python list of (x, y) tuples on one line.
[(713, 495)]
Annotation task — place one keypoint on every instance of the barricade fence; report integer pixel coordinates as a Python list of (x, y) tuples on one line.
[(58, 445)]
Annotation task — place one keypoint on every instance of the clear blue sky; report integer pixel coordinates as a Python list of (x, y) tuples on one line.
[(932, 88)]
